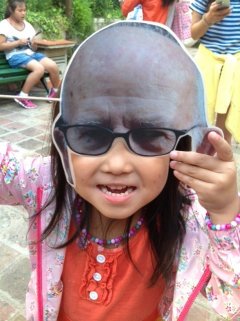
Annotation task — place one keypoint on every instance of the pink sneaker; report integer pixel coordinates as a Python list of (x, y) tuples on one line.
[(52, 94), (25, 103)]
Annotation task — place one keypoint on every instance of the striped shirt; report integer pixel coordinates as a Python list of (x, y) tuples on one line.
[(224, 36)]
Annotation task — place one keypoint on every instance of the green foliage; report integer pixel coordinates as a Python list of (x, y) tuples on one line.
[(81, 21), (32, 5), (2, 8), (36, 5), (105, 8), (51, 22)]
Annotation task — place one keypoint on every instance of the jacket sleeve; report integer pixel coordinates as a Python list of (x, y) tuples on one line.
[(20, 177), (128, 6), (209, 261), (223, 288)]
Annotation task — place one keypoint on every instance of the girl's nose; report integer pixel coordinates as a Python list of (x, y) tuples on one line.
[(118, 159)]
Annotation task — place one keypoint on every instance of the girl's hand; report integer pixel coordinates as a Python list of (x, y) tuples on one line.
[(201, 23), (22, 42), (216, 13), (214, 178)]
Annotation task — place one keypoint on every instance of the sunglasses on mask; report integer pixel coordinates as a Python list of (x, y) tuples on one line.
[(94, 140)]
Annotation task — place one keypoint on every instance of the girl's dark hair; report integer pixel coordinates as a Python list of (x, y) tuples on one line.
[(11, 7), (165, 224)]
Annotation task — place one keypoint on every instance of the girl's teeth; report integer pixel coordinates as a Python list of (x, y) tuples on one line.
[(116, 190)]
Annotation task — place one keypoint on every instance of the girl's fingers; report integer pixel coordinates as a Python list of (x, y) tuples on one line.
[(201, 179), (212, 177), (181, 160), (198, 185), (196, 169), (208, 184), (222, 148), (194, 172), (223, 154)]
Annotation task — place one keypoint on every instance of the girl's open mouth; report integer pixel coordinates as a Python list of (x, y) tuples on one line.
[(116, 190)]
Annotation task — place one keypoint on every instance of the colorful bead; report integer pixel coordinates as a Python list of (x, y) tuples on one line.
[(116, 241), (222, 227)]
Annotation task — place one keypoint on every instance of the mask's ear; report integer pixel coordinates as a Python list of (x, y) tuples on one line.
[(60, 144), (205, 147)]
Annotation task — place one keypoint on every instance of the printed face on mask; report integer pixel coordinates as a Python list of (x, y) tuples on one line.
[(134, 84)]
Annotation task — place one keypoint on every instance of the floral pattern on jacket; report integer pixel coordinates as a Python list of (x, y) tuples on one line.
[(210, 258)]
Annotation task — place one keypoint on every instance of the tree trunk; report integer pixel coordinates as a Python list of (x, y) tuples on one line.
[(68, 4)]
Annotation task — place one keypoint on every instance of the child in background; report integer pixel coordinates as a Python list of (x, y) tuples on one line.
[(124, 226), (218, 57), (152, 10), (16, 40)]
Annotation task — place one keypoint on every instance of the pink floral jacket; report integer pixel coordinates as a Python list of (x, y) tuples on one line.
[(210, 258)]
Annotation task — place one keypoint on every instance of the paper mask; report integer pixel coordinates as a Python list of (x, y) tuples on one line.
[(129, 75)]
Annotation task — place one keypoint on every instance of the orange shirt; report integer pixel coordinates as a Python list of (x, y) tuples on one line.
[(102, 284), (152, 9)]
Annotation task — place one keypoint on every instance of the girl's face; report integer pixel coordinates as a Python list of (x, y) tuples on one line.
[(19, 13), (119, 183)]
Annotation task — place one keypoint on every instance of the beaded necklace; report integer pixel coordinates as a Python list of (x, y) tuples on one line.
[(85, 237)]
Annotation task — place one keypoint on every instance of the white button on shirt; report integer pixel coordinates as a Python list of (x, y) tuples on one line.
[(93, 295), (100, 258), (97, 277)]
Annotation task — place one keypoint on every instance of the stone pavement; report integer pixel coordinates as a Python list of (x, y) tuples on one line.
[(29, 130)]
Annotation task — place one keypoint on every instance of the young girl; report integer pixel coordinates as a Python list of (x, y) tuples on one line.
[(218, 56), (113, 234), (16, 40)]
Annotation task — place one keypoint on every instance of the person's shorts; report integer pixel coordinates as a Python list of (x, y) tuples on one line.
[(21, 60)]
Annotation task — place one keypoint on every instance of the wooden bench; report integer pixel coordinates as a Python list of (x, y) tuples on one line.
[(12, 75)]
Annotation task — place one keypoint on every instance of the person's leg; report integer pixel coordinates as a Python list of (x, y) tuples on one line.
[(28, 62), (51, 67), (36, 72), (220, 122)]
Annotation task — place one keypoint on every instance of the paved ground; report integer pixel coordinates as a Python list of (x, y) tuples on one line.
[(29, 130)]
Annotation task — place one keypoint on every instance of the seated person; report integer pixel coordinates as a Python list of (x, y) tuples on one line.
[(17, 41)]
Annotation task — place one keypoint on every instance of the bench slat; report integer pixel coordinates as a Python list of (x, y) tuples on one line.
[(12, 79), (13, 71)]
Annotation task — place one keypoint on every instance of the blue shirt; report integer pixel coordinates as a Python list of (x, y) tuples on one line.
[(224, 36)]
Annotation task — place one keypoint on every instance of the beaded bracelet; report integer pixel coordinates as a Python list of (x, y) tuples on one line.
[(221, 227)]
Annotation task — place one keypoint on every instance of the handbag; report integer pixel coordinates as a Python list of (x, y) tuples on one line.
[(182, 20)]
